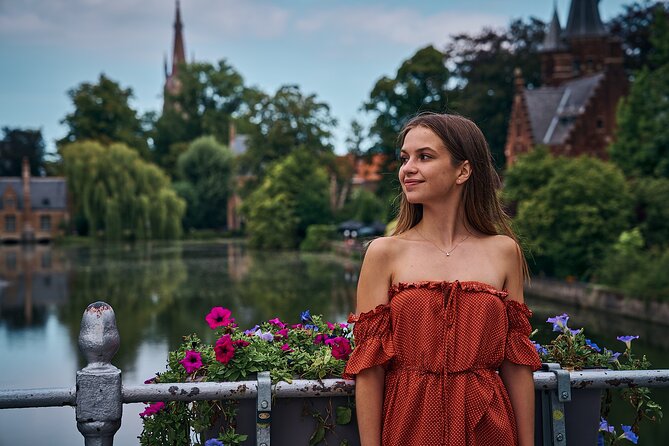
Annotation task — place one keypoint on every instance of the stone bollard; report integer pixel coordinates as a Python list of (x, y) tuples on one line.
[(99, 393)]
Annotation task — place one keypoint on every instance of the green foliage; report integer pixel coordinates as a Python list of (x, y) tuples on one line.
[(571, 220), (293, 196), (529, 173), (102, 113), (651, 196), (318, 238), (641, 147), (287, 121), (17, 144), (634, 270), (118, 193), (364, 206), (206, 173), (633, 27), (209, 98)]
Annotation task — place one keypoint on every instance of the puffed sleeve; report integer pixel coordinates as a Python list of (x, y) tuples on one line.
[(373, 341), (519, 349)]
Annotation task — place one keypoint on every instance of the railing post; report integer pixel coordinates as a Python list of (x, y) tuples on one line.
[(99, 392)]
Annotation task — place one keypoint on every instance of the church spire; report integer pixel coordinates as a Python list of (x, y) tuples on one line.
[(178, 52), (584, 19), (552, 41)]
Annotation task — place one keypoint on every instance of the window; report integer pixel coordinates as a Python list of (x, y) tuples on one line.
[(10, 223), (10, 261), (9, 202), (600, 123), (46, 260), (45, 223), (46, 202)]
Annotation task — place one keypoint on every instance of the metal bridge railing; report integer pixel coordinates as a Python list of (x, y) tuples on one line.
[(99, 394)]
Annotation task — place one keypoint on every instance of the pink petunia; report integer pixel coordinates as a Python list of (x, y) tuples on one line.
[(286, 348), (341, 347), (296, 326), (282, 333), (276, 321), (331, 326), (152, 409), (219, 317), (224, 349), (320, 338), (192, 361), (240, 343)]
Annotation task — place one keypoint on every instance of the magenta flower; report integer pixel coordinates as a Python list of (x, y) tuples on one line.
[(276, 321), (343, 325), (219, 317), (331, 326), (152, 409), (320, 338), (341, 347), (192, 361), (240, 343), (151, 380), (296, 326), (283, 333), (286, 348), (224, 349)]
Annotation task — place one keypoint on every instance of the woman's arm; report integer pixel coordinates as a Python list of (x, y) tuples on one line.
[(375, 278), (520, 387), (518, 379)]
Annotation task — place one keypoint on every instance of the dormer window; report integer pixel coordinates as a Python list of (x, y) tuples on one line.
[(46, 201)]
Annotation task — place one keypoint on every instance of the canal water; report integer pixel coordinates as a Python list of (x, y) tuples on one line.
[(162, 291)]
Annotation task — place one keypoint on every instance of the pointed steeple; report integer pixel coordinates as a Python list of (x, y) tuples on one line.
[(584, 19), (178, 52), (553, 41)]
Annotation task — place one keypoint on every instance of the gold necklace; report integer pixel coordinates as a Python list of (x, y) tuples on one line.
[(448, 253)]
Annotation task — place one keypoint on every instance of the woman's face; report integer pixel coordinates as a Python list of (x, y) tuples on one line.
[(427, 173)]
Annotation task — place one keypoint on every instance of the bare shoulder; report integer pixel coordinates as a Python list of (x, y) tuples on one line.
[(509, 256), (376, 273)]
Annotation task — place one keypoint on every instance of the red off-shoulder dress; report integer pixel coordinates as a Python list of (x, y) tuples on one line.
[(441, 344)]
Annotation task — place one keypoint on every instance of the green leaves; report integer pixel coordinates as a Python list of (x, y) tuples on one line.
[(343, 415)]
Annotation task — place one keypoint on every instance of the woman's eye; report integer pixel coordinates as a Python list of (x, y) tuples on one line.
[(403, 159), (425, 157)]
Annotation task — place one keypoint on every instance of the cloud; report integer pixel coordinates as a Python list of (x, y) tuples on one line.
[(403, 26)]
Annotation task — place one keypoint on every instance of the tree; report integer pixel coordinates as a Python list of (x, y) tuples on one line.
[(208, 100), (292, 196), (530, 172), (102, 113), (571, 221), (420, 84), (17, 144), (651, 196), (206, 173), (633, 27), (117, 193), (284, 122), (483, 65)]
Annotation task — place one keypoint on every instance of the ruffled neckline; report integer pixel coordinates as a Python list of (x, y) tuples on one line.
[(466, 285)]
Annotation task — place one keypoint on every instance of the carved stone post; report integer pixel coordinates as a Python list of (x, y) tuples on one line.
[(99, 396)]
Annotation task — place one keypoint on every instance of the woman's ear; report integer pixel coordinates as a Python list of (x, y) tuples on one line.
[(465, 172)]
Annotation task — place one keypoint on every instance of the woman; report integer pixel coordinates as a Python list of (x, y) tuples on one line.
[(440, 304)]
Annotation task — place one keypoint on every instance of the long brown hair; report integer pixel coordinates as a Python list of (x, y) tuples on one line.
[(465, 142)]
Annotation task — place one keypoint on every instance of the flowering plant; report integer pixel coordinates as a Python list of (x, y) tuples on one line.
[(573, 350), (311, 349)]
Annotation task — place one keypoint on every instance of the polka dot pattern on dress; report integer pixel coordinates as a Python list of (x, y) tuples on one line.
[(441, 344)]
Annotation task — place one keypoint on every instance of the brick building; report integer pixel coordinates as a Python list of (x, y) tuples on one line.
[(32, 209), (583, 79)]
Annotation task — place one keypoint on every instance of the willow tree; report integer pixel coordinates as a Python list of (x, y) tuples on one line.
[(119, 194)]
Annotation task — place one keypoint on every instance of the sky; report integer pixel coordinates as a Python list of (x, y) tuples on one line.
[(336, 49)]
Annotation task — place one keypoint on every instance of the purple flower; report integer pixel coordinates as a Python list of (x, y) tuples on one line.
[(627, 340), (213, 442), (629, 435), (311, 327), (267, 336), (593, 346), (574, 332), (305, 316), (540, 348), (559, 322), (192, 361), (604, 426), (251, 331), (614, 355), (219, 317)]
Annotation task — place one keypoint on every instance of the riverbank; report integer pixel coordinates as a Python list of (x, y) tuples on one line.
[(598, 297)]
